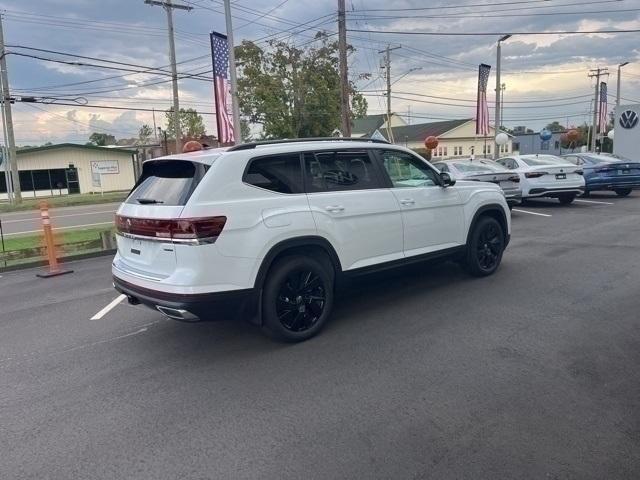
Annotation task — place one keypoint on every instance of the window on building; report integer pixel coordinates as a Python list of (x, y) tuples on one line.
[(516, 146), (557, 145), (544, 145), (444, 151)]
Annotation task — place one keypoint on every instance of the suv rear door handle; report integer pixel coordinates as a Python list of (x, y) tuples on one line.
[(334, 208), (407, 201)]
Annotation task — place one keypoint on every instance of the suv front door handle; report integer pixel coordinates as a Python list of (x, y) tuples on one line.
[(408, 202), (334, 208)]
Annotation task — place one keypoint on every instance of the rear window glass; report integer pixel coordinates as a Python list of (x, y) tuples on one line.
[(278, 173), (472, 167), (542, 160), (167, 182)]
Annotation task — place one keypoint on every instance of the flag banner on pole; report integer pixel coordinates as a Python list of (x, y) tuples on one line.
[(482, 108), (222, 88), (603, 108)]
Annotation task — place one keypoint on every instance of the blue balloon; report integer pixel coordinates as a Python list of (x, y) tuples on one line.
[(545, 134)]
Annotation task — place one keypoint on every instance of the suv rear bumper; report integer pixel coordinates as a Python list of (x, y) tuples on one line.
[(193, 307), (553, 192)]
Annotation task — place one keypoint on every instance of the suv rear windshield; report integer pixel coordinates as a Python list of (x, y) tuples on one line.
[(167, 182)]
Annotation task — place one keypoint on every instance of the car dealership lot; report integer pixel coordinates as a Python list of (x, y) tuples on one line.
[(422, 373)]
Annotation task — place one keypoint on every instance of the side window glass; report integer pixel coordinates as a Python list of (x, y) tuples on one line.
[(341, 170), (407, 171), (278, 173), (574, 160)]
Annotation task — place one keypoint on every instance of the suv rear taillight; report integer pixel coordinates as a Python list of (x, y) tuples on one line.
[(192, 231), (535, 174)]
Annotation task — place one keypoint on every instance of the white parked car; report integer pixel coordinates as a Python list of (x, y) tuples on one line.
[(265, 230), (546, 176), (484, 170)]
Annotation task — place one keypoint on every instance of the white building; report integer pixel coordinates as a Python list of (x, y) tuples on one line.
[(456, 138), (70, 168)]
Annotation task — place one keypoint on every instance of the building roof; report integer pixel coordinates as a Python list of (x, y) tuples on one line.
[(420, 131), (75, 145), (368, 124)]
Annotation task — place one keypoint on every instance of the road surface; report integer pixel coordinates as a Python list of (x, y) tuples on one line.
[(17, 223), (423, 373)]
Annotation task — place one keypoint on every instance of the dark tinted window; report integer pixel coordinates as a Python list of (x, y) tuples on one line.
[(342, 170), (167, 182), (281, 173)]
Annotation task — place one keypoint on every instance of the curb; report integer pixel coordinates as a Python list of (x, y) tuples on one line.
[(63, 260)]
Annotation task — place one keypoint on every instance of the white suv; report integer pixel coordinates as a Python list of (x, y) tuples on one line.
[(265, 230)]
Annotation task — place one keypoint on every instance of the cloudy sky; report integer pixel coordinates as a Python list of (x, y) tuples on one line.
[(546, 76)]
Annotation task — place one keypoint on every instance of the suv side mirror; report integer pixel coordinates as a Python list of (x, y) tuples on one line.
[(447, 181)]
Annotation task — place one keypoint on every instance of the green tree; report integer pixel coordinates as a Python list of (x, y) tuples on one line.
[(555, 127), (191, 123), (102, 139), (293, 91), (144, 134)]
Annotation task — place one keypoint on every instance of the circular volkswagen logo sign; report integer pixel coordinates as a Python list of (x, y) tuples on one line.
[(628, 119)]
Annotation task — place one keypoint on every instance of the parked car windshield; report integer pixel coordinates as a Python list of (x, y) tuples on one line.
[(543, 160)]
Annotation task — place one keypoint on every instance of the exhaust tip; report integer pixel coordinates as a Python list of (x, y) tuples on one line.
[(177, 314)]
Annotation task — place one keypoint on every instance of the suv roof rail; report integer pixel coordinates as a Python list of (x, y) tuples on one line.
[(252, 145)]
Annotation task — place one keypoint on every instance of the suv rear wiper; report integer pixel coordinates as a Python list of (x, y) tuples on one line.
[(148, 201)]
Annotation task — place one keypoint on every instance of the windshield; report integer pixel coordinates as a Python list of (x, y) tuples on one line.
[(543, 160)]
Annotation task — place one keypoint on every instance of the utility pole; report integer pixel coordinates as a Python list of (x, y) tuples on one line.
[(8, 119), (496, 153), (618, 89), (597, 73), (168, 7), (387, 66), (233, 79), (502, 89), (345, 112)]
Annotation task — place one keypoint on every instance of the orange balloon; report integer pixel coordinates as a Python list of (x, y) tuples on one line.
[(573, 135), (431, 142), (191, 146)]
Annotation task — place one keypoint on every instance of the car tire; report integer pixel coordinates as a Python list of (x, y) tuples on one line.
[(566, 198), (485, 248), (622, 192), (297, 298), (585, 194)]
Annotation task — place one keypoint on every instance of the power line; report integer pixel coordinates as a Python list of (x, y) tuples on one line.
[(443, 7), (503, 15), (495, 34)]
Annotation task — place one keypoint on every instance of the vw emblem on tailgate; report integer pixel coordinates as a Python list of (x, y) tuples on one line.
[(628, 119)]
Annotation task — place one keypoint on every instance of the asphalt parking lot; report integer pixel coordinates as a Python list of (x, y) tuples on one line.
[(423, 372)]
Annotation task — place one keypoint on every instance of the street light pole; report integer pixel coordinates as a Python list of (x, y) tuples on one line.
[(498, 91), (618, 89)]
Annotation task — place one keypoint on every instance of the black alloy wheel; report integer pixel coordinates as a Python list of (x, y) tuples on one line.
[(301, 300), (297, 297), (486, 246), (489, 247)]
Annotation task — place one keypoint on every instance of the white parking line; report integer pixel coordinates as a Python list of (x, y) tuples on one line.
[(593, 201), (108, 308), (532, 213)]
